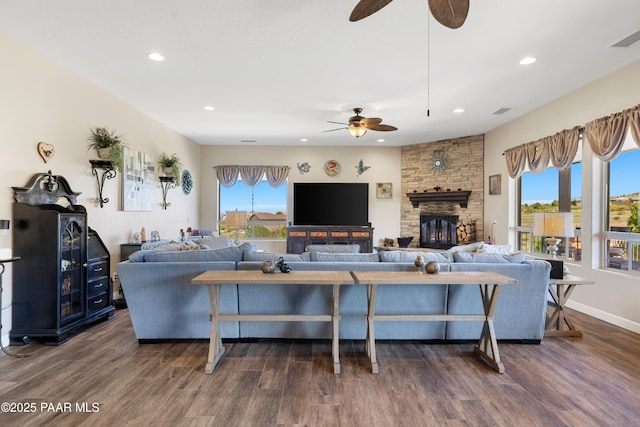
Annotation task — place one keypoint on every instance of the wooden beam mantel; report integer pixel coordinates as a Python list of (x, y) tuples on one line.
[(461, 197)]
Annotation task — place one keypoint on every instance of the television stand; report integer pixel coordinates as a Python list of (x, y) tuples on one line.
[(300, 236)]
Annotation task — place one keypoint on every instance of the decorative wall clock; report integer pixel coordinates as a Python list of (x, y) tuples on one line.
[(332, 168), (187, 182)]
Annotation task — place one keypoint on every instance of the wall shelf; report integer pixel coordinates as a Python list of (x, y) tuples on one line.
[(108, 172), (166, 182), (461, 197)]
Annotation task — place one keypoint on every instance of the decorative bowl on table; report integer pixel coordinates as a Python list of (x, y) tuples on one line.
[(403, 242)]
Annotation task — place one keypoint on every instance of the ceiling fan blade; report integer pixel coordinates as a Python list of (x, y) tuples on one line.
[(331, 130), (371, 121), (338, 123), (450, 13), (366, 8), (382, 128)]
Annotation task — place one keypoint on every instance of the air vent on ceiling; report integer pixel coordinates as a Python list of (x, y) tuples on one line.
[(628, 41), (501, 111), (248, 140)]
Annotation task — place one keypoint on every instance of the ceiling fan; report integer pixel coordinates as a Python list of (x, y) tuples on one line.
[(359, 125), (450, 13)]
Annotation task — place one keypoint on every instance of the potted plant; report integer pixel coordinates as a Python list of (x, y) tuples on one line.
[(108, 145), (170, 165)]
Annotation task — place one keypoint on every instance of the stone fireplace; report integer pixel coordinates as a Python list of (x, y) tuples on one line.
[(458, 190)]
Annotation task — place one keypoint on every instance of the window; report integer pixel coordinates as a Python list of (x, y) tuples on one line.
[(550, 191), (622, 230), (253, 213)]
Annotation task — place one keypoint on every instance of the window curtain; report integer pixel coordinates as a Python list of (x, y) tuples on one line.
[(606, 134), (227, 175), (252, 175), (560, 149), (634, 123)]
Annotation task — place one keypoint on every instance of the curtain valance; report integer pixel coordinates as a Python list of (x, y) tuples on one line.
[(560, 148), (606, 134), (228, 175)]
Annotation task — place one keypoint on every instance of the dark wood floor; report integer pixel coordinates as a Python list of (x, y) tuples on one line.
[(588, 381)]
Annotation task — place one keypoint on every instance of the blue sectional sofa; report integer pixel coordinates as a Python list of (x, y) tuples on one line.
[(164, 305)]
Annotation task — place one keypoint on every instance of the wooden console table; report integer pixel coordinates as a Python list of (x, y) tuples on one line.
[(557, 324), (214, 280), (488, 282)]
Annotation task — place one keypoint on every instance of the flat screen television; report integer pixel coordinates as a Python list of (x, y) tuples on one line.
[(317, 203)]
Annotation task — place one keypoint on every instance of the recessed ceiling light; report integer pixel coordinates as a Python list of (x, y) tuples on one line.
[(528, 60), (381, 140), (209, 108), (303, 139), (155, 56), (459, 110)]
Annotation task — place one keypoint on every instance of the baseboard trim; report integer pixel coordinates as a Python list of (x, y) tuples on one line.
[(606, 317)]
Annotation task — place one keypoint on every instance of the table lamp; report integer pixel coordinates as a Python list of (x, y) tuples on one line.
[(553, 225)]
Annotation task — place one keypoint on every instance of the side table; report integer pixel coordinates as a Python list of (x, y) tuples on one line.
[(558, 324)]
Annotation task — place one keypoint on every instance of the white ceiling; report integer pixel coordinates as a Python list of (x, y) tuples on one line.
[(277, 70)]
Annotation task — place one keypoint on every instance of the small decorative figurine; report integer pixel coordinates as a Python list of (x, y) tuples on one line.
[(419, 262), (143, 235), (284, 268)]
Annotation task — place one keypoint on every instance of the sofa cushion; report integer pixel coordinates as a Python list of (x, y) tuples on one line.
[(225, 254), (410, 256), (270, 256), (495, 249), (473, 247), (344, 257), (180, 246), (343, 249), (516, 257)]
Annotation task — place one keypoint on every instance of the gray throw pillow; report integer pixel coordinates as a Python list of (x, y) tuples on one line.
[(485, 258)]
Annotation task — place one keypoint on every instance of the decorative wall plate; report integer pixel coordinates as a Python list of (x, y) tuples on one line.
[(187, 182), (332, 168), (46, 151)]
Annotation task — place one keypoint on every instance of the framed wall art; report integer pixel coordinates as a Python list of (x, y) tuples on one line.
[(138, 181), (495, 184), (383, 190)]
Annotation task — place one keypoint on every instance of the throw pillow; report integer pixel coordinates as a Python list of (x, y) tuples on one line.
[(515, 258)]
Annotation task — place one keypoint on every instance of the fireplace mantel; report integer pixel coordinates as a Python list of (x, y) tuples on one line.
[(461, 197)]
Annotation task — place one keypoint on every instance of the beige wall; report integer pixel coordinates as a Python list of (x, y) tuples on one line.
[(42, 101), (615, 297), (384, 214)]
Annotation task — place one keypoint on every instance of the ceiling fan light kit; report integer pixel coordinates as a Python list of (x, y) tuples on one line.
[(358, 125), (357, 131)]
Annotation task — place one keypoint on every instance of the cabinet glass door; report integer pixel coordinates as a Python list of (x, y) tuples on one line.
[(72, 248)]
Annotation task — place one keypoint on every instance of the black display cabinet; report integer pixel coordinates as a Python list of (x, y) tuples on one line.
[(51, 294)]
